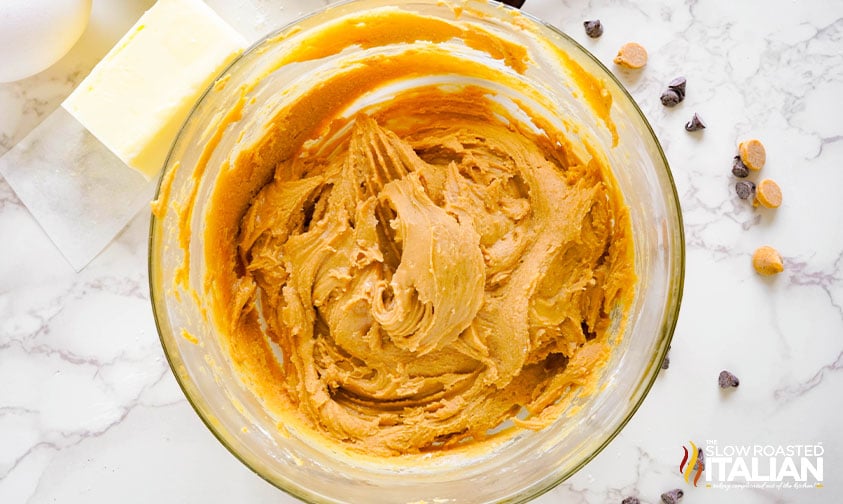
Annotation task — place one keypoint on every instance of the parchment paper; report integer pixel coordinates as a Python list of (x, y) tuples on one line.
[(80, 193)]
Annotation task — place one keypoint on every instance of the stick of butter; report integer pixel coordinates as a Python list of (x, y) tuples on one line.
[(136, 99)]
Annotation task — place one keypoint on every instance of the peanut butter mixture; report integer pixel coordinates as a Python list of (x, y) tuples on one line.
[(418, 274)]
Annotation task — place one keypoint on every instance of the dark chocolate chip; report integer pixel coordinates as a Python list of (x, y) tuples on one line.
[(513, 3), (678, 85), (666, 361), (739, 169), (745, 189), (670, 97), (631, 500), (593, 28), (695, 124), (727, 380), (673, 496)]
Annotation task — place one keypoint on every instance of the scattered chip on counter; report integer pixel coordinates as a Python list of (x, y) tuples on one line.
[(767, 261), (727, 380), (631, 500), (739, 169), (745, 189), (631, 55), (670, 98), (666, 361), (672, 496), (695, 124), (678, 84), (513, 3), (768, 194), (675, 92), (753, 154), (593, 28)]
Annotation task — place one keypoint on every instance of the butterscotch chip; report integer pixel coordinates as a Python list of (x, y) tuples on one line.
[(753, 154), (631, 55), (767, 261), (768, 194)]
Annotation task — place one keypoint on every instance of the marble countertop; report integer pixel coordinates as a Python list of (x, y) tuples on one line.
[(90, 411)]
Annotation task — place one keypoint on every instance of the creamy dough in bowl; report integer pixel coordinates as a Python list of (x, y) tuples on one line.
[(407, 255)]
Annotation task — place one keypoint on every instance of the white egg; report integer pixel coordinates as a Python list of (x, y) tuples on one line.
[(34, 34)]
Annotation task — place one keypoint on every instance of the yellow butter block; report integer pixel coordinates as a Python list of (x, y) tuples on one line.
[(136, 99)]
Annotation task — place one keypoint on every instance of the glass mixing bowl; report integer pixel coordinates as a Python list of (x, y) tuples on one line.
[(526, 464)]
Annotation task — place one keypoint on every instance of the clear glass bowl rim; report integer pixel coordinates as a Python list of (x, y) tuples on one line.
[(676, 276)]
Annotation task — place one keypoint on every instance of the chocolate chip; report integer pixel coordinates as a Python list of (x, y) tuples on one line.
[(674, 93), (513, 3), (695, 124), (745, 189), (631, 500), (753, 154), (666, 361), (739, 169), (678, 85), (593, 28), (727, 380), (670, 97), (673, 496)]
